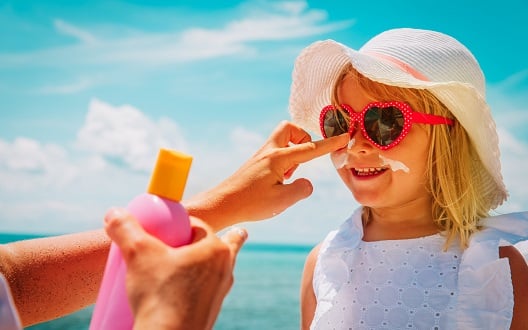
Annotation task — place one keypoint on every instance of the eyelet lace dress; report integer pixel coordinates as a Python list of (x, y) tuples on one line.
[(414, 283)]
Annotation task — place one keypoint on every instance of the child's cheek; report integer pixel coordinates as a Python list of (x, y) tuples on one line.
[(339, 158)]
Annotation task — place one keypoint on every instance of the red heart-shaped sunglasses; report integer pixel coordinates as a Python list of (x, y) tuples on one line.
[(384, 124)]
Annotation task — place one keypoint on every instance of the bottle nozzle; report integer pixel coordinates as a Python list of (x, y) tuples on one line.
[(170, 174)]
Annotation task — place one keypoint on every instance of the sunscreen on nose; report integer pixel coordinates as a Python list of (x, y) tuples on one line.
[(160, 213), (351, 143)]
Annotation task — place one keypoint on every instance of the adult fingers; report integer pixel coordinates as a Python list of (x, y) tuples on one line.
[(288, 174), (234, 239), (126, 232), (287, 133), (120, 226), (307, 151), (295, 191), (200, 229)]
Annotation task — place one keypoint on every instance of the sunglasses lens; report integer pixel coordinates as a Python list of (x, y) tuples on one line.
[(335, 122), (383, 125)]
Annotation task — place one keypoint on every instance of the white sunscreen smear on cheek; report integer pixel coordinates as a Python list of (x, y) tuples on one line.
[(339, 159), (394, 164)]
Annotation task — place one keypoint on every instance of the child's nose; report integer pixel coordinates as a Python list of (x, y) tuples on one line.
[(358, 143)]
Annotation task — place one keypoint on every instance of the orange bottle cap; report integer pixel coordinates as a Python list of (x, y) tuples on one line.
[(170, 174)]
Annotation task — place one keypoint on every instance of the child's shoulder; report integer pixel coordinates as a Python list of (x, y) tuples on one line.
[(314, 252)]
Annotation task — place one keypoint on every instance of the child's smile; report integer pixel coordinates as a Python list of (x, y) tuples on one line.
[(368, 171)]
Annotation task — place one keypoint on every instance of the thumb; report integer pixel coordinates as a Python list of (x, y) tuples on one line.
[(235, 238), (126, 232), (295, 191)]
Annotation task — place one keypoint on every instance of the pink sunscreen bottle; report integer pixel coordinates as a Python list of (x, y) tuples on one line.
[(161, 215)]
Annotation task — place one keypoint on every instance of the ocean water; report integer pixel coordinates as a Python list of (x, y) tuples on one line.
[(265, 294)]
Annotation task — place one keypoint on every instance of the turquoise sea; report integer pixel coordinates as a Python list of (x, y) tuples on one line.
[(265, 294)]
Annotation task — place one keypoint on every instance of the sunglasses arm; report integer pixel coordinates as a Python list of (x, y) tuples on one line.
[(424, 118)]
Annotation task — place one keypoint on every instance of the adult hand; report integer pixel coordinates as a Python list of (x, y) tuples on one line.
[(257, 190), (175, 288)]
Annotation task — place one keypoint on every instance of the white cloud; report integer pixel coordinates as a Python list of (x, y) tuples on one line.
[(125, 134), (42, 190), (514, 159), (74, 31), (508, 101), (26, 163), (51, 208), (515, 80), (26, 154), (246, 141), (282, 21), (291, 22), (216, 159), (79, 85), (47, 188)]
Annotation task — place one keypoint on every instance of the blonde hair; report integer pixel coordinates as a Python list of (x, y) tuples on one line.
[(453, 167)]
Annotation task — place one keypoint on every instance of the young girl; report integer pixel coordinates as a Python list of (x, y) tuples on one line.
[(423, 161)]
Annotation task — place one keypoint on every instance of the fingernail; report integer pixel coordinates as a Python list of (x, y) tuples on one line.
[(113, 213), (241, 232)]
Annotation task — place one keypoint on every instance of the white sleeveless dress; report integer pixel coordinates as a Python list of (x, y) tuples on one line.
[(413, 283)]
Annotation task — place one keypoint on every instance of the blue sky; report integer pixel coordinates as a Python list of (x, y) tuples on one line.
[(89, 90)]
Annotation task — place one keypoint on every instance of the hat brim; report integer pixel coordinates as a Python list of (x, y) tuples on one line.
[(319, 65)]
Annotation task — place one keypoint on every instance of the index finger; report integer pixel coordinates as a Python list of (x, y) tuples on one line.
[(301, 153)]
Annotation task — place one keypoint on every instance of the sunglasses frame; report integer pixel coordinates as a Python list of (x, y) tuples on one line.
[(409, 117)]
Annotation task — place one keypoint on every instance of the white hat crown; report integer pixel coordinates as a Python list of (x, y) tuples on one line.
[(436, 56)]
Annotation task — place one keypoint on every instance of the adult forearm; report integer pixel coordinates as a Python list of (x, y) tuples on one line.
[(215, 207), (54, 276)]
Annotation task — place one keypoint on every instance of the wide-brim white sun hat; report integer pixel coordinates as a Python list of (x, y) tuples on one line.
[(409, 58)]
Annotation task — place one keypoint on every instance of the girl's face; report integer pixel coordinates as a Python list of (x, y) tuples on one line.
[(376, 178)]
